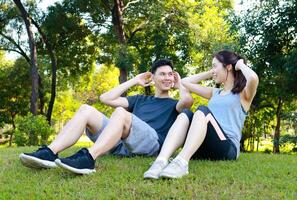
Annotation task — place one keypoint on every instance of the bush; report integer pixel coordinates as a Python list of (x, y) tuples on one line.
[(285, 139), (288, 142), (32, 130)]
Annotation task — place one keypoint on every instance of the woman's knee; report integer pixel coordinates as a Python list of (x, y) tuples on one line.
[(182, 118), (199, 116), (84, 108), (119, 111)]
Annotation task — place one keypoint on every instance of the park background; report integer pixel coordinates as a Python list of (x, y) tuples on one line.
[(58, 55)]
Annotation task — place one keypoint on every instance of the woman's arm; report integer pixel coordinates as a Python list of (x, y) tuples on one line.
[(191, 83), (252, 81)]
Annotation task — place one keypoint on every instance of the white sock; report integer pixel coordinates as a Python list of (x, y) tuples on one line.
[(162, 159), (183, 161)]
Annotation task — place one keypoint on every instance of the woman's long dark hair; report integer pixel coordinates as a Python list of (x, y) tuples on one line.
[(226, 58)]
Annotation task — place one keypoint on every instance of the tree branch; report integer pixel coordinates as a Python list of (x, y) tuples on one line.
[(138, 28), (21, 51), (131, 2)]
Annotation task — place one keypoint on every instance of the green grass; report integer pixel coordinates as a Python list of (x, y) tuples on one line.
[(253, 176)]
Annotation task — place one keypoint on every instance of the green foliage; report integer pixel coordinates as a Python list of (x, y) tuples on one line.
[(65, 107), (15, 90), (288, 139), (290, 118), (267, 38), (269, 42), (209, 31), (86, 92), (32, 130), (72, 41)]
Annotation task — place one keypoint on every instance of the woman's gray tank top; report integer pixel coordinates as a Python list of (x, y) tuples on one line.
[(228, 111)]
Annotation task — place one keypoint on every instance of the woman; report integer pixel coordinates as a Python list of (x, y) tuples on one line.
[(215, 131)]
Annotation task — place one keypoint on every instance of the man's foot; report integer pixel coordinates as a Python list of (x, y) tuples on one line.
[(42, 158), (154, 171), (80, 163), (176, 169)]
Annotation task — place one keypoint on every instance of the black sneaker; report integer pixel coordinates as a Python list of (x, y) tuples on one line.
[(42, 158), (80, 163)]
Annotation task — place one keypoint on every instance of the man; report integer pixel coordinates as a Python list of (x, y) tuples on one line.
[(138, 126)]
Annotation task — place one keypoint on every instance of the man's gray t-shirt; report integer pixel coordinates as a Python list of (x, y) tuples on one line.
[(159, 113)]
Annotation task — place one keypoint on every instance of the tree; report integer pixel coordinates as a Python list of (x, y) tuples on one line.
[(268, 38), (11, 19), (33, 56), (15, 91)]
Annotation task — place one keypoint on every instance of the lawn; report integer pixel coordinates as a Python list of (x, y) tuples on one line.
[(252, 176)]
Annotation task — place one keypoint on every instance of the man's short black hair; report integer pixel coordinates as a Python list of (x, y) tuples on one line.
[(160, 63)]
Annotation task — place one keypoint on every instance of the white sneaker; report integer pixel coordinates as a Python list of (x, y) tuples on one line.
[(175, 170), (155, 169)]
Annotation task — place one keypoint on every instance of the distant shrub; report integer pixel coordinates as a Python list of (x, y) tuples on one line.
[(267, 151), (32, 130), (289, 140)]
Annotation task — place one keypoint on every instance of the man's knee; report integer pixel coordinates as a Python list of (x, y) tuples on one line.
[(122, 114), (87, 110), (203, 109), (123, 118), (201, 112), (186, 113)]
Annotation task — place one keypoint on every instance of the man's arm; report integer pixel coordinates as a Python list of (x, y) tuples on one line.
[(113, 97), (185, 100)]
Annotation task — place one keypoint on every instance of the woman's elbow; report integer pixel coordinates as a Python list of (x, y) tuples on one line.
[(184, 82), (103, 98), (255, 79)]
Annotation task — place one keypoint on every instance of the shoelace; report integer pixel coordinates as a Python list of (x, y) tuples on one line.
[(43, 147), (157, 164), (77, 154), (176, 163)]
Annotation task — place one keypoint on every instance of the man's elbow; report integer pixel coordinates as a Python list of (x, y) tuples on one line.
[(188, 102)]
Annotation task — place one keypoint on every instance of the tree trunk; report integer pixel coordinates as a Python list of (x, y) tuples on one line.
[(117, 20), (41, 95), (252, 143), (258, 142), (242, 147), (277, 127), (53, 87), (13, 126), (33, 55), (53, 58)]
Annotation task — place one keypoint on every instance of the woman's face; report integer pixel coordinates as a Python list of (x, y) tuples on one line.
[(219, 72)]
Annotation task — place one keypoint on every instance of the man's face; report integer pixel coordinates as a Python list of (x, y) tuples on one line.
[(164, 78)]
